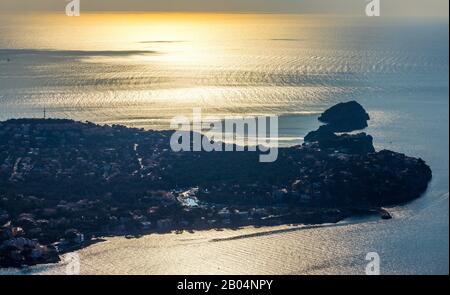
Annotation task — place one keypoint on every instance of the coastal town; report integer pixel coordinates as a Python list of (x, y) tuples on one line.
[(66, 184)]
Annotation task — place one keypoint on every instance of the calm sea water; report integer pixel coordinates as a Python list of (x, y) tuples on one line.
[(141, 70)]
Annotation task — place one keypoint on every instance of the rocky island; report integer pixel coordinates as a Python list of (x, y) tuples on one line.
[(65, 183)]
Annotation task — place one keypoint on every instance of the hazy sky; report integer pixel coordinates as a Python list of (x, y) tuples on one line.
[(388, 7)]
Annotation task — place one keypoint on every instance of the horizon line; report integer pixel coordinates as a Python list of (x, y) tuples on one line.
[(61, 11)]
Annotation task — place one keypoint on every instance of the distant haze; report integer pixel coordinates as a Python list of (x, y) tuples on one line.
[(353, 7)]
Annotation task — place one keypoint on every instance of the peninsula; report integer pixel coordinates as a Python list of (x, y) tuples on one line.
[(64, 183)]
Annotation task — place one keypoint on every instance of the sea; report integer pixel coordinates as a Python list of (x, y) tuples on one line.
[(143, 69)]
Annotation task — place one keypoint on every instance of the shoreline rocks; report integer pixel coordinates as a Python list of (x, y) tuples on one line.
[(345, 117), (16, 250), (360, 143)]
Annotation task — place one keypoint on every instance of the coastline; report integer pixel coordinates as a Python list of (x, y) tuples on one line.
[(283, 202)]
